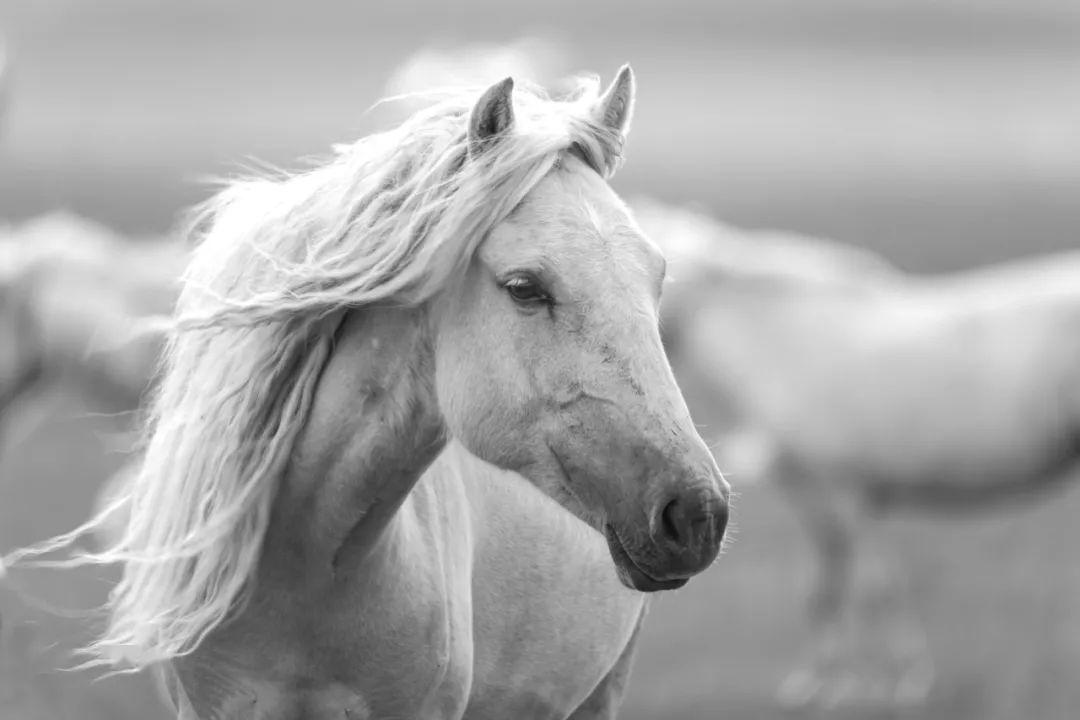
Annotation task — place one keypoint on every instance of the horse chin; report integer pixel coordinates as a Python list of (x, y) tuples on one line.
[(630, 573)]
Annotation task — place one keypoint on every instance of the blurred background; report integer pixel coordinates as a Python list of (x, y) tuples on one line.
[(943, 135)]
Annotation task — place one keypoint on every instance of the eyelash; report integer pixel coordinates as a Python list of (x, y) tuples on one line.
[(537, 295)]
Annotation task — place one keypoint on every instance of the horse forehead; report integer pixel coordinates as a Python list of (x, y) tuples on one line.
[(575, 195), (582, 233), (580, 256)]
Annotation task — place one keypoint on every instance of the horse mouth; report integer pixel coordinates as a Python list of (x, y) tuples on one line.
[(630, 573)]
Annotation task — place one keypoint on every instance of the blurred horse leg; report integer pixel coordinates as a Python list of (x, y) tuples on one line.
[(21, 409), (889, 662), (26, 409), (829, 517), (868, 648), (22, 367)]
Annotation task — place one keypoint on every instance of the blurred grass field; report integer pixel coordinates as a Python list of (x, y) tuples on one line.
[(942, 137)]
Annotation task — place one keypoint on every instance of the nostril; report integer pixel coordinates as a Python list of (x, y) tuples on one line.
[(684, 519), (670, 519), (687, 521)]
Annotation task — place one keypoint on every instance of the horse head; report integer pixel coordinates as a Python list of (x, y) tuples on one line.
[(549, 360)]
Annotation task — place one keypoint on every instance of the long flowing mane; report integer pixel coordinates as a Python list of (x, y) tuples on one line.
[(393, 217)]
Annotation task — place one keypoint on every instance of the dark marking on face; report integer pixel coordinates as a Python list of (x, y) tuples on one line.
[(575, 392), (610, 356)]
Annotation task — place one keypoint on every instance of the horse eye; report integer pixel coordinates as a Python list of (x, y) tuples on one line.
[(526, 290)]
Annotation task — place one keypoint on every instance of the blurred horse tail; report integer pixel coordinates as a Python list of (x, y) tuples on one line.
[(77, 303), (880, 391)]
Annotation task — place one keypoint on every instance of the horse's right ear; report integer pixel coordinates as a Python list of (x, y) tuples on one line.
[(615, 108), (492, 115)]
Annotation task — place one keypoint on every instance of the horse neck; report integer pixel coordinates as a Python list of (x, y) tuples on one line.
[(374, 428)]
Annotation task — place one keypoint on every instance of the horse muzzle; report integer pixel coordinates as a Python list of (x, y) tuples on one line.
[(685, 537)]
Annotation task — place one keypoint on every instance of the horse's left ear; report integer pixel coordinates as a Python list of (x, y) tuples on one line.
[(492, 115), (616, 106)]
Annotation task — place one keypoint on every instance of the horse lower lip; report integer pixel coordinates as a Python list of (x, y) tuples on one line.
[(644, 583), (638, 578)]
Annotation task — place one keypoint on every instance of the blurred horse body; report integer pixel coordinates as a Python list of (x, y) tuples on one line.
[(75, 301), (877, 391)]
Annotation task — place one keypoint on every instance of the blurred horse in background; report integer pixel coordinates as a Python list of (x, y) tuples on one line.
[(877, 391), (304, 536), (76, 301)]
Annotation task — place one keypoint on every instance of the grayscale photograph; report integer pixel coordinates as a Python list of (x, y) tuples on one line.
[(477, 360)]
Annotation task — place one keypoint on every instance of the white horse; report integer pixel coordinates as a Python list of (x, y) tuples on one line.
[(75, 304), (877, 391), (309, 535)]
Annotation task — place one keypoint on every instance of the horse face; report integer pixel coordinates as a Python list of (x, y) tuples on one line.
[(549, 363)]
